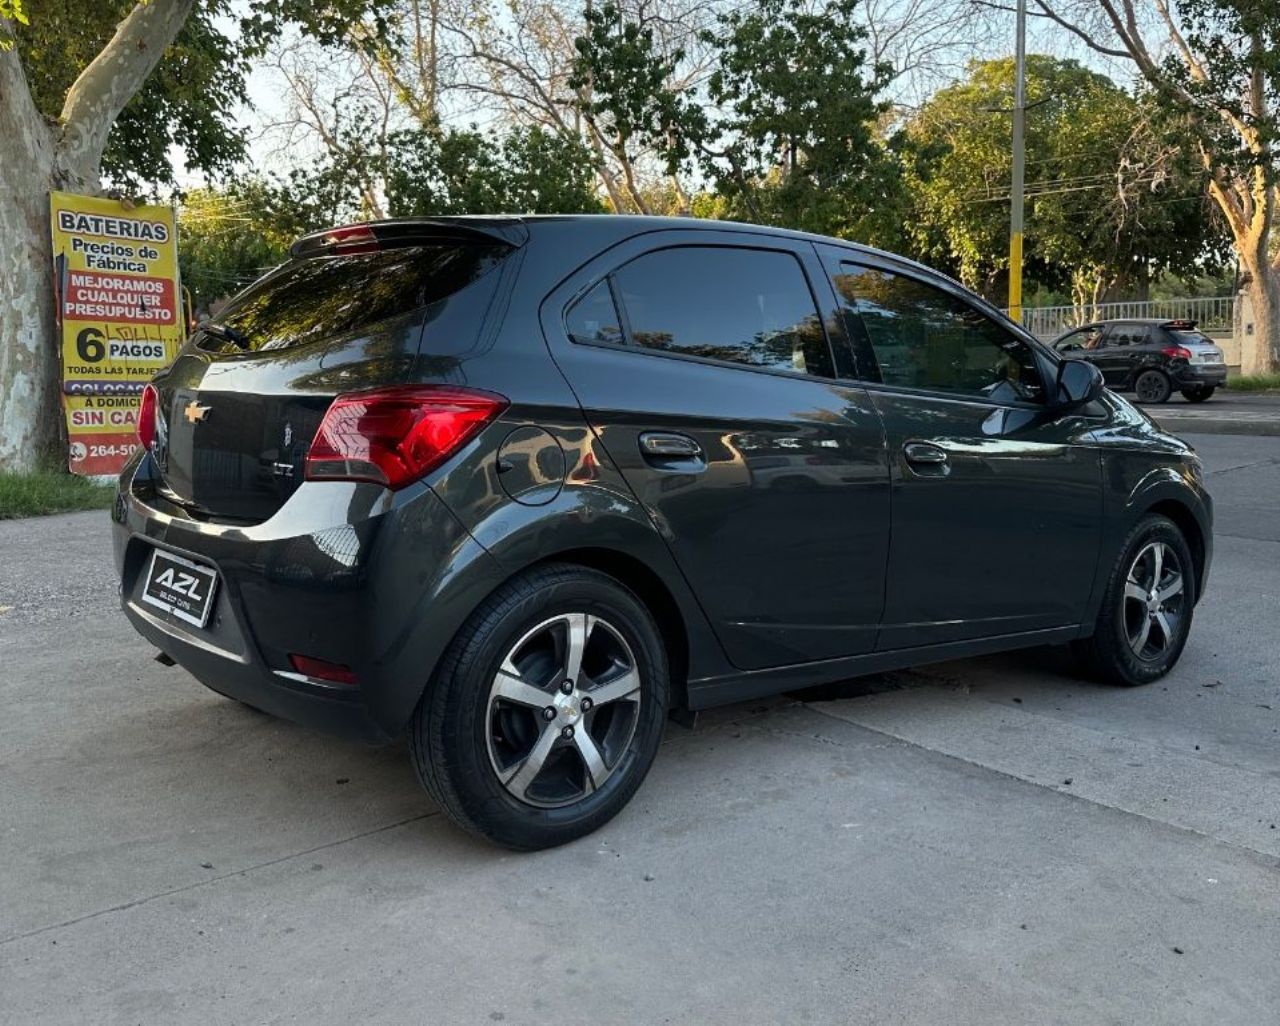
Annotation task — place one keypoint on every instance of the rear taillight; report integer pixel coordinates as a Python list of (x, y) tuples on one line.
[(395, 435), (147, 410), (1176, 352)]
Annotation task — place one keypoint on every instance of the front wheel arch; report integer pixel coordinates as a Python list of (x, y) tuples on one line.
[(1187, 523)]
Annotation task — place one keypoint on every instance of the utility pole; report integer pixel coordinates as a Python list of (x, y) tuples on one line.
[(1019, 124)]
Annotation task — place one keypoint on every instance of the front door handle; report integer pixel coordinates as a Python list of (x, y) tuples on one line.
[(668, 445), (924, 454)]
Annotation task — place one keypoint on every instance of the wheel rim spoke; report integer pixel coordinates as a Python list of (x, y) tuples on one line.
[(510, 687), (591, 759), (622, 686), (1140, 642), (1134, 590), (1157, 563), (578, 628), (1170, 588), (1166, 628), (525, 772)]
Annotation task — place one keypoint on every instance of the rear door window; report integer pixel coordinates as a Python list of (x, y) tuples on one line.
[(736, 305), (318, 298)]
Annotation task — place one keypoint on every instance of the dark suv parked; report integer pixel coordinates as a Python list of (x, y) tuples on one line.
[(521, 487), (1149, 358)]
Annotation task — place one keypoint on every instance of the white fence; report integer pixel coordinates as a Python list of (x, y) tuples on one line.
[(1213, 315)]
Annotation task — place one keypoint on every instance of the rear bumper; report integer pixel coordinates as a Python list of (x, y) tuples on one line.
[(344, 572), (1194, 374)]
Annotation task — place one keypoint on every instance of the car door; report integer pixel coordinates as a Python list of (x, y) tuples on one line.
[(702, 362), (1121, 351), (996, 500)]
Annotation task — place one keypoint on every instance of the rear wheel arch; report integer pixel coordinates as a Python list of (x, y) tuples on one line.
[(653, 592)]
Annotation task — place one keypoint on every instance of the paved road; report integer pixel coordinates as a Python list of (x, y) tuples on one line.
[(985, 842), (1237, 413)]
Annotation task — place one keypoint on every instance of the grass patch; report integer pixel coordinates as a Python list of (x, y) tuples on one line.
[(50, 491), (1254, 383)]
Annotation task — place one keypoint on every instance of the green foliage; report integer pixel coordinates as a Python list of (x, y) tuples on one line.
[(1254, 383), (800, 103), (190, 100), (789, 135), (623, 86), (50, 491), (228, 239), (528, 170), (1108, 203), (1236, 44)]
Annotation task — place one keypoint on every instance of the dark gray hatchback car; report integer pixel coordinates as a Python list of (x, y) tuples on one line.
[(523, 486)]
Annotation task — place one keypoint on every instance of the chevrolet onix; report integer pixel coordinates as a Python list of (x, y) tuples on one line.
[(522, 487)]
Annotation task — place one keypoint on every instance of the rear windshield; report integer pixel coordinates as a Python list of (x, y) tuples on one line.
[(322, 297), (1191, 337)]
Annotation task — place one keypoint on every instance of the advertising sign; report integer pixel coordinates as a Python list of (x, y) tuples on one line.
[(120, 315)]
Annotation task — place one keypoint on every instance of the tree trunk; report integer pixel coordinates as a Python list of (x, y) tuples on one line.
[(1260, 352), (31, 428)]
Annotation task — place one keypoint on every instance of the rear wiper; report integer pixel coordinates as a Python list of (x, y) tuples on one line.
[(229, 334)]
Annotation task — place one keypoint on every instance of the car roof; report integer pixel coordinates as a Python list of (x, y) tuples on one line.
[(1172, 323), (606, 229)]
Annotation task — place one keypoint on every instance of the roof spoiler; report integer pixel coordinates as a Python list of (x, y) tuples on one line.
[(1180, 324), (367, 236)]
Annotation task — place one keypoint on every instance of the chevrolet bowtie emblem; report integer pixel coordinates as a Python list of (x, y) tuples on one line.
[(195, 413)]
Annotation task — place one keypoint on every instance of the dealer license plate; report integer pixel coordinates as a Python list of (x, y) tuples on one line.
[(181, 587)]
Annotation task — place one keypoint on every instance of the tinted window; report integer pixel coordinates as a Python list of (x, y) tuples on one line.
[(922, 337), (594, 318), (1129, 335), (1084, 338), (321, 297), (748, 306)]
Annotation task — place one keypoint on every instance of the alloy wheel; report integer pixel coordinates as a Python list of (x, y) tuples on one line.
[(1152, 387), (562, 710), (1154, 601)]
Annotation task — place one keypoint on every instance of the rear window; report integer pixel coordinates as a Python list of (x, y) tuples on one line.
[(323, 297), (1191, 338)]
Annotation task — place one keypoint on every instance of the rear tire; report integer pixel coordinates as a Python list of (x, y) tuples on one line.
[(1152, 386), (1138, 639), (507, 748), (1197, 395)]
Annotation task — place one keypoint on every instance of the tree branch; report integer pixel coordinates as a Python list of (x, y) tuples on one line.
[(114, 77), (1081, 34)]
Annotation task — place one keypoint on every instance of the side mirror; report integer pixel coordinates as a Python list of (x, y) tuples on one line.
[(1079, 383)]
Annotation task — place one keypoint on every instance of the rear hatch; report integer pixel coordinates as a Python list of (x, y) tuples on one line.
[(240, 406), (1199, 345)]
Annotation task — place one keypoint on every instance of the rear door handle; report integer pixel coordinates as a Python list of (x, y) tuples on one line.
[(669, 445), (924, 454)]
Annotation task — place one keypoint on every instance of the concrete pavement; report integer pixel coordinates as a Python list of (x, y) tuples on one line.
[(989, 841)]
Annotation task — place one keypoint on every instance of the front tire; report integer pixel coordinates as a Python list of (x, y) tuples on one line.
[(1152, 386), (1146, 611), (1197, 395), (547, 710)]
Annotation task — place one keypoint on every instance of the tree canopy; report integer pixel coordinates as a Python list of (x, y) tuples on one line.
[(1110, 203)]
